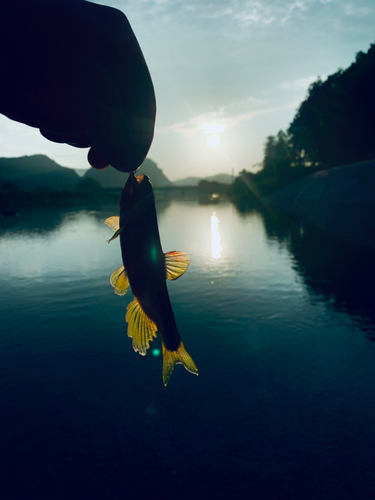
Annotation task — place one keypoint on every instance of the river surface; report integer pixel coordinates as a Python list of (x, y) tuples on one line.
[(279, 317)]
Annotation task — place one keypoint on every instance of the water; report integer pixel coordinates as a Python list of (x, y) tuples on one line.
[(279, 318)]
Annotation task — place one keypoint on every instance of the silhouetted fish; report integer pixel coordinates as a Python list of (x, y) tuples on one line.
[(146, 268)]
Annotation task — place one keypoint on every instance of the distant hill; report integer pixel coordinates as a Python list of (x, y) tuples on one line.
[(37, 172), (112, 178), (80, 171), (188, 181), (194, 181)]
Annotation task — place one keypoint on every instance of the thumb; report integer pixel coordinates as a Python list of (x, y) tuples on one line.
[(120, 122), (120, 140)]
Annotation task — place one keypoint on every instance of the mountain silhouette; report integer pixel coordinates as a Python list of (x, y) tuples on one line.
[(112, 178), (194, 181), (37, 172), (80, 171)]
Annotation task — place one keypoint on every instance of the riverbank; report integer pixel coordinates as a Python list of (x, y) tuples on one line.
[(19, 201), (340, 200), (14, 201)]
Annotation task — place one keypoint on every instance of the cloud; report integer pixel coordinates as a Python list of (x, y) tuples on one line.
[(218, 120), (356, 11), (236, 12), (267, 13), (213, 13), (213, 128), (190, 7), (253, 12), (147, 8), (248, 17), (293, 7), (300, 83), (235, 16), (152, 7)]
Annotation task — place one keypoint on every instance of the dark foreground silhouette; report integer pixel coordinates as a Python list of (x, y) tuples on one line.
[(75, 70)]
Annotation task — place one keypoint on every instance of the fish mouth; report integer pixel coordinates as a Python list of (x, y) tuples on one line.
[(134, 183), (136, 195)]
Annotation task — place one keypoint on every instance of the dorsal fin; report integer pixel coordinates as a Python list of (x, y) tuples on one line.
[(176, 264)]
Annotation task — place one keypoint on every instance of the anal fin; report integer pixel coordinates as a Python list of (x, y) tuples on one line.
[(140, 328), (119, 280), (173, 358)]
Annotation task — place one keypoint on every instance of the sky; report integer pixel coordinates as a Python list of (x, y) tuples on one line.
[(227, 74)]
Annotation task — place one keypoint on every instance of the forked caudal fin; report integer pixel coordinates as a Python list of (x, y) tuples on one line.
[(173, 358)]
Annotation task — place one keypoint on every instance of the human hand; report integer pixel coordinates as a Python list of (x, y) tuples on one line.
[(76, 72)]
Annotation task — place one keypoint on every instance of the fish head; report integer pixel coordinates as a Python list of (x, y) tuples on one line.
[(137, 196)]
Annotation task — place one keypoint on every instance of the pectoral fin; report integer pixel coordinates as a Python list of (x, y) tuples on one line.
[(176, 264), (119, 280), (172, 358), (114, 223), (141, 329)]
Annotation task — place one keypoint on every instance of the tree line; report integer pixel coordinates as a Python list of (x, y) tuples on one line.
[(334, 126)]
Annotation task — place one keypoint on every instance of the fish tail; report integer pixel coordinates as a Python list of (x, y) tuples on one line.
[(172, 358)]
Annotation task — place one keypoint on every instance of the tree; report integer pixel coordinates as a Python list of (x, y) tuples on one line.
[(278, 156), (335, 125)]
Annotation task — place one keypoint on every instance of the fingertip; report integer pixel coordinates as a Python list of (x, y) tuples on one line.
[(96, 161)]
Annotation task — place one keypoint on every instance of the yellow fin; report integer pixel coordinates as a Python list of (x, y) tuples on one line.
[(141, 329), (114, 236), (119, 280), (172, 358), (176, 264), (113, 222)]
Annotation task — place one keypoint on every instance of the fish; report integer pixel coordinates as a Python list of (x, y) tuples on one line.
[(146, 268)]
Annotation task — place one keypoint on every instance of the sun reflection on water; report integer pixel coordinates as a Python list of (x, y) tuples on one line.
[(215, 237)]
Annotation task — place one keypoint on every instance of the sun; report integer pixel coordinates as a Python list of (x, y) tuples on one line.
[(213, 129), (213, 141)]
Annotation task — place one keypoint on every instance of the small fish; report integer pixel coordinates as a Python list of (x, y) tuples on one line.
[(146, 269)]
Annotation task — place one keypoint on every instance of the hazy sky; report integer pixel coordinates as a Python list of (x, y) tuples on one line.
[(227, 74)]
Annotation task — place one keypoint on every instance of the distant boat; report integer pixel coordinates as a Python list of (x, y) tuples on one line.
[(205, 199)]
